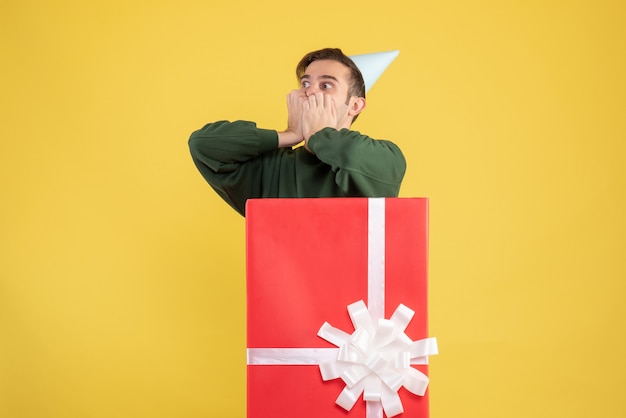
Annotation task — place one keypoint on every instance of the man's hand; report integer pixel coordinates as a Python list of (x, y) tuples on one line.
[(293, 134), (320, 111)]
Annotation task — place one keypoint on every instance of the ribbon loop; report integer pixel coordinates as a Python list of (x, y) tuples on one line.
[(385, 333), (333, 335), (403, 360), (415, 381), (425, 347), (373, 389), (402, 316), (392, 379), (329, 370), (360, 316), (348, 397), (392, 405)]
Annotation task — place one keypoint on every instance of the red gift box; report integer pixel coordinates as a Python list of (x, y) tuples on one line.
[(307, 261)]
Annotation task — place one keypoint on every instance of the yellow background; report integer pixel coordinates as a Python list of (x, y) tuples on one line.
[(122, 290)]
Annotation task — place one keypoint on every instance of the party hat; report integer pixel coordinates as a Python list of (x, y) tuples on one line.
[(373, 65)]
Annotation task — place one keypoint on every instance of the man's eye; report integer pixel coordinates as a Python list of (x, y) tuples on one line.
[(305, 84), (327, 86)]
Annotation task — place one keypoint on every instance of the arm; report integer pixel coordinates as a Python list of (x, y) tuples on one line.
[(221, 146), (363, 166), (222, 143), (225, 154)]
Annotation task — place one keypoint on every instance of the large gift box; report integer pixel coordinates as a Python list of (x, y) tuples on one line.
[(337, 308)]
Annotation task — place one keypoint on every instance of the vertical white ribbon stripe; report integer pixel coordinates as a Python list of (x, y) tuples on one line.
[(376, 258)]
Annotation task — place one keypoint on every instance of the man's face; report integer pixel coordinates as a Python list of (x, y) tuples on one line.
[(329, 77)]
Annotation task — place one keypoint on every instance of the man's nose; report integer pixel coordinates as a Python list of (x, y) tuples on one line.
[(312, 89)]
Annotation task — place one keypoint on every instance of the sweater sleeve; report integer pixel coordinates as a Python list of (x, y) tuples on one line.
[(225, 154), (363, 166), (222, 145)]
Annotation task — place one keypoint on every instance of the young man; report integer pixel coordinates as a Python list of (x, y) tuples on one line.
[(241, 161)]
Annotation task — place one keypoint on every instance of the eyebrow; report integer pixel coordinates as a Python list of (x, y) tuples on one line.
[(330, 77)]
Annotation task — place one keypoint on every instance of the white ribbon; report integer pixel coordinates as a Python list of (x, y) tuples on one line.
[(375, 360)]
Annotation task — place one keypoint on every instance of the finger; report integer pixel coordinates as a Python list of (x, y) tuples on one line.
[(319, 99), (294, 95), (329, 102), (291, 98)]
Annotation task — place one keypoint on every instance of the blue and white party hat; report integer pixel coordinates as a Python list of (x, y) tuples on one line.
[(373, 65)]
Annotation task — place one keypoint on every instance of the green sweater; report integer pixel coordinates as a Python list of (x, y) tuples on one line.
[(241, 161)]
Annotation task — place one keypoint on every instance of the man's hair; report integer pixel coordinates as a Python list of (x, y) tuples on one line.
[(357, 85)]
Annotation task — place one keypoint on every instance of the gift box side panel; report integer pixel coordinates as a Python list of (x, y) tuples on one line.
[(306, 261), (406, 261), (293, 391)]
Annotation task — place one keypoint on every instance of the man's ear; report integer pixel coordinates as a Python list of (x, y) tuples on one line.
[(357, 105)]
